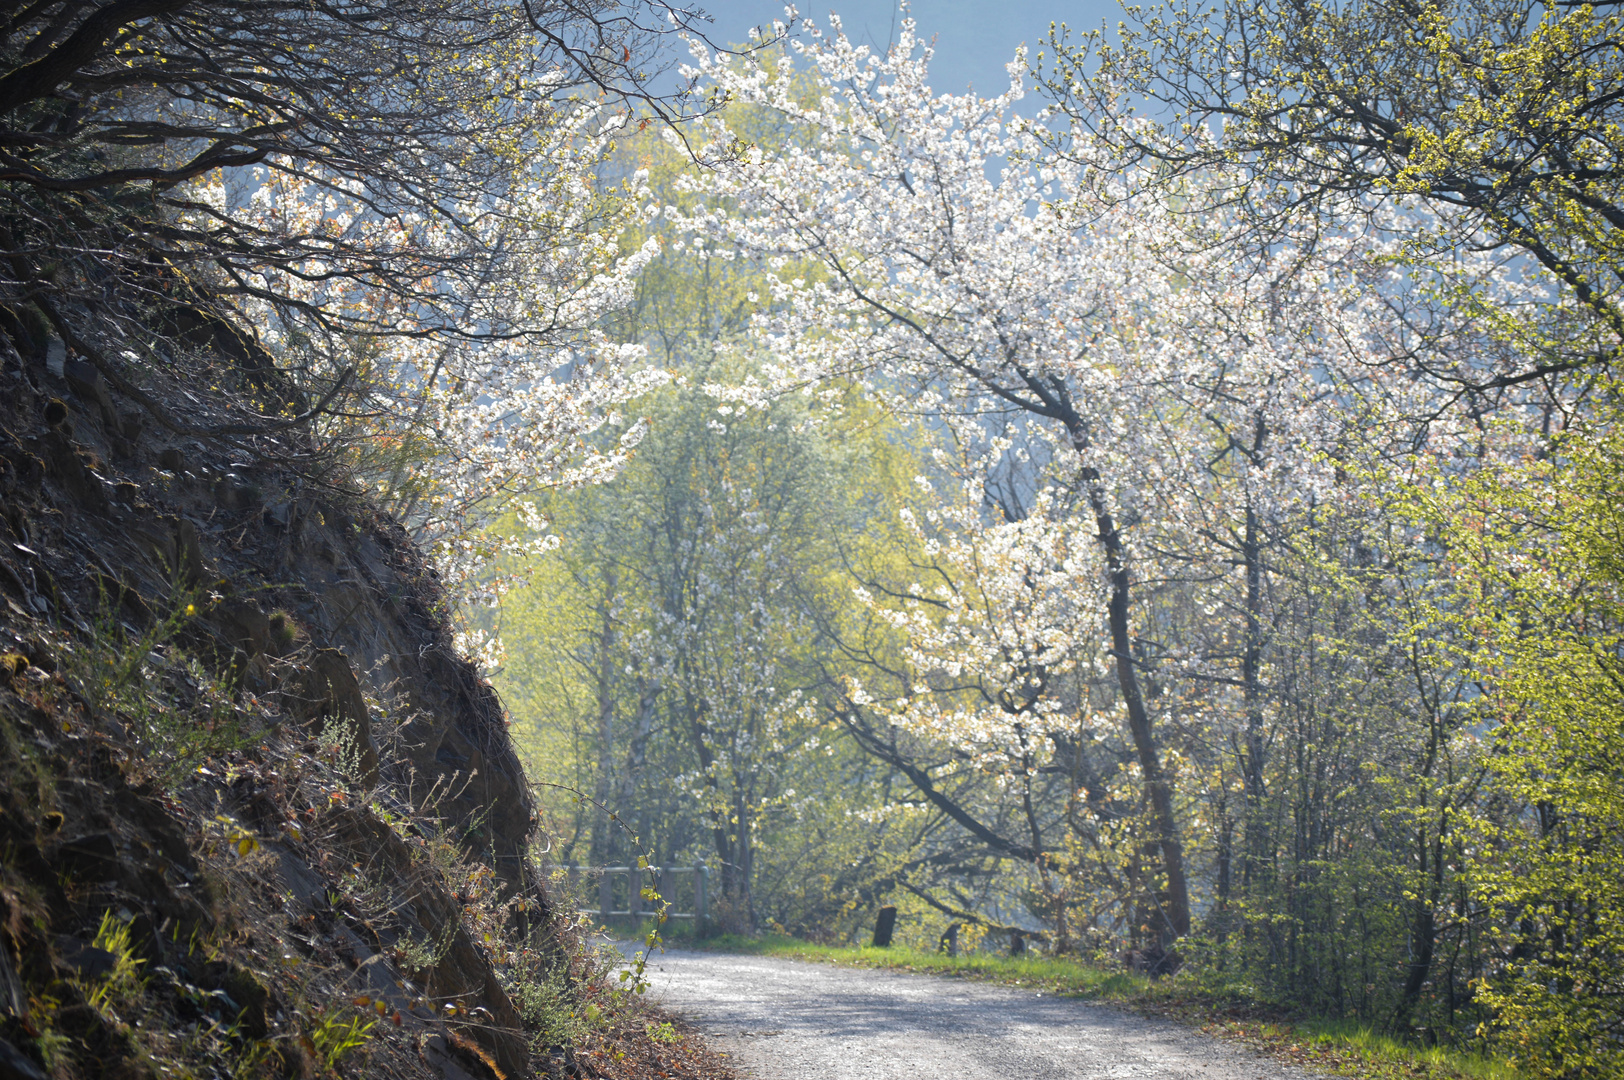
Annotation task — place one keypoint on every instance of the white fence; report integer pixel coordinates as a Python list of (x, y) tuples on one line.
[(666, 881)]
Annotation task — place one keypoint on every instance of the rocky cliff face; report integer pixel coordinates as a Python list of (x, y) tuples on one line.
[(256, 814)]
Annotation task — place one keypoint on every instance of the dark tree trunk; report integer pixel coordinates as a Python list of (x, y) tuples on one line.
[(1174, 909), (1423, 934), (730, 833), (1257, 825), (605, 845)]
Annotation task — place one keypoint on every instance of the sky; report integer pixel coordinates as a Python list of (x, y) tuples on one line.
[(975, 38)]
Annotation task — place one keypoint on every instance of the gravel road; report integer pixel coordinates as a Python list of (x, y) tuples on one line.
[(787, 1020)]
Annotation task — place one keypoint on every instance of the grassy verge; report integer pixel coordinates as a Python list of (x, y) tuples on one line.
[(1336, 1046), (1041, 973)]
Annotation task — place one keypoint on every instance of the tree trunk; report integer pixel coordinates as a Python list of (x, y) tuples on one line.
[(604, 841), (1226, 857), (1423, 931), (729, 832), (637, 743), (1174, 909), (1257, 827)]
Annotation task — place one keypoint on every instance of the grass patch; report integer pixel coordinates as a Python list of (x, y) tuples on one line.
[(1342, 1047), (1044, 974)]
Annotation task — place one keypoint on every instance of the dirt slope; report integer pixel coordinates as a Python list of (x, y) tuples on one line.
[(257, 816)]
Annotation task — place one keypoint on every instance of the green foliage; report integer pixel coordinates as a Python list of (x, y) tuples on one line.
[(663, 1032), (672, 648), (1345, 892), (123, 982), (1536, 548), (1058, 975), (552, 1012), (337, 1033), (1502, 115)]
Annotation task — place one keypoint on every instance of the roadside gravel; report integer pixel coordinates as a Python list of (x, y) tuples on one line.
[(789, 1020)]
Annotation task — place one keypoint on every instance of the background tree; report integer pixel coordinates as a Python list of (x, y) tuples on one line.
[(1500, 118), (1178, 391), (1534, 604), (1502, 115), (692, 579), (681, 603)]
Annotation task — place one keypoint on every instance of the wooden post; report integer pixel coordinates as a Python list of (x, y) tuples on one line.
[(701, 880), (634, 892), (884, 927), (950, 941), (606, 894), (574, 882)]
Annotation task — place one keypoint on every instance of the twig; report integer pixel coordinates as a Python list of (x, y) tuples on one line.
[(163, 415)]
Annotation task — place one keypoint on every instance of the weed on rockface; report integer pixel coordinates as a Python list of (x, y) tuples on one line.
[(140, 713), (415, 953), (553, 1011), (336, 1034), (122, 982), (145, 683)]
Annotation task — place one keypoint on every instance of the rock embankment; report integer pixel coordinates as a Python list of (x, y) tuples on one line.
[(256, 813)]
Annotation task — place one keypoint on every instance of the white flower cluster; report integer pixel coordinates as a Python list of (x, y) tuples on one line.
[(472, 333), (1072, 320)]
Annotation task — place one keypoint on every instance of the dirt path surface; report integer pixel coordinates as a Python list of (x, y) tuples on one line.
[(787, 1020)]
